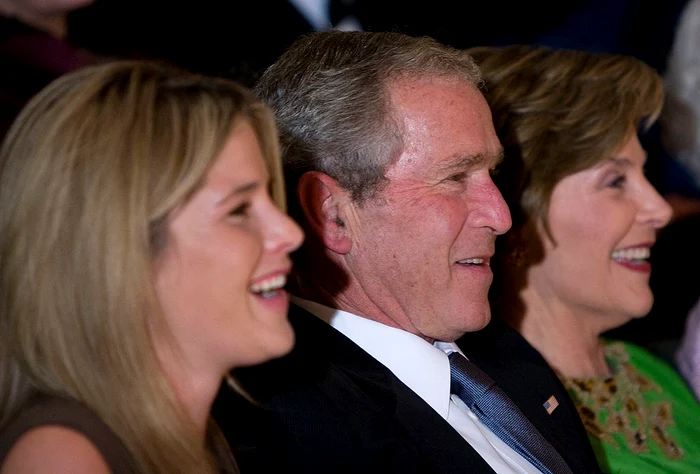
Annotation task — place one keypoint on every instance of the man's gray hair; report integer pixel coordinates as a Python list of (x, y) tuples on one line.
[(329, 93)]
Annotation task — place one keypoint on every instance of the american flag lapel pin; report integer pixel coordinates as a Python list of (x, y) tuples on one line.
[(551, 404)]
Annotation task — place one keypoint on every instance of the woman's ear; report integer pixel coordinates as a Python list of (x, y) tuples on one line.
[(323, 202)]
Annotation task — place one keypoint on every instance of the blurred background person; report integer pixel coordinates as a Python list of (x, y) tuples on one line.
[(575, 263), (141, 257), (676, 293), (680, 118), (35, 49), (687, 356)]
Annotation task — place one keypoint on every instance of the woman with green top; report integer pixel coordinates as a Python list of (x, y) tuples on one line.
[(575, 263)]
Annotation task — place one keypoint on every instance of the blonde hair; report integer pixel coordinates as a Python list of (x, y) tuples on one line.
[(88, 174), (558, 112)]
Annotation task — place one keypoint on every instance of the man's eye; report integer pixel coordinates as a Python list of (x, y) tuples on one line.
[(240, 210), (457, 177)]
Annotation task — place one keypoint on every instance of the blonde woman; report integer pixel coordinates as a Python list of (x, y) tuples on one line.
[(575, 263), (143, 254)]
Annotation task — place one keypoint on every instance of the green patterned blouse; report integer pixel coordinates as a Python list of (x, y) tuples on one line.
[(641, 420)]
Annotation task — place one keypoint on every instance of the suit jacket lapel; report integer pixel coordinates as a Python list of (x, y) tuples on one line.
[(526, 378), (442, 446)]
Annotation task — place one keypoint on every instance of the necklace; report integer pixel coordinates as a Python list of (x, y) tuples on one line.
[(616, 405)]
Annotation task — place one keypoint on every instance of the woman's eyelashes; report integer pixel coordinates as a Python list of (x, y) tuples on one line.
[(241, 210), (617, 181)]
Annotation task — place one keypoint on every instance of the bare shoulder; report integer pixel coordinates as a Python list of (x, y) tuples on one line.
[(54, 449)]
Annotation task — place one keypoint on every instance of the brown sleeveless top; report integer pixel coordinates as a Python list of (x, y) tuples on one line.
[(44, 410)]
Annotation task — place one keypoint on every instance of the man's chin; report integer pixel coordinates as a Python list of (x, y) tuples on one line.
[(474, 324), (477, 321)]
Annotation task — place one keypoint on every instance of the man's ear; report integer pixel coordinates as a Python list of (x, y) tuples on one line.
[(323, 202)]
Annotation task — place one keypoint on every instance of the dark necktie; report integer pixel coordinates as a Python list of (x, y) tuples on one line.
[(498, 412)]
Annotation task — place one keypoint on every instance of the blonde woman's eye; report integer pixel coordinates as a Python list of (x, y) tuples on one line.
[(240, 210)]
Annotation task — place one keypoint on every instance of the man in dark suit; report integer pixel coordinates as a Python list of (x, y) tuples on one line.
[(389, 148)]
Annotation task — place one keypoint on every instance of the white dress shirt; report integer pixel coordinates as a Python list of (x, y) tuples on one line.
[(425, 369)]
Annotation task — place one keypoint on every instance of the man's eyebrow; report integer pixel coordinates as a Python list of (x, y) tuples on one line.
[(242, 189), (462, 162)]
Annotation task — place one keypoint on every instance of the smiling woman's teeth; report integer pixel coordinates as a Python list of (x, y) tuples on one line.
[(270, 286), (472, 261), (640, 253)]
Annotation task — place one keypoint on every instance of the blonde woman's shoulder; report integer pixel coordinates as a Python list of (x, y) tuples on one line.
[(56, 450)]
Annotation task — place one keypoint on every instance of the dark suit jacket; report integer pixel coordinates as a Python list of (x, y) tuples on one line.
[(329, 407)]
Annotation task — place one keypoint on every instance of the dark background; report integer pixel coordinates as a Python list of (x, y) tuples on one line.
[(231, 37)]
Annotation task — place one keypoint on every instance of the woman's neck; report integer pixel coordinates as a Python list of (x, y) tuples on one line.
[(566, 339), (194, 387)]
